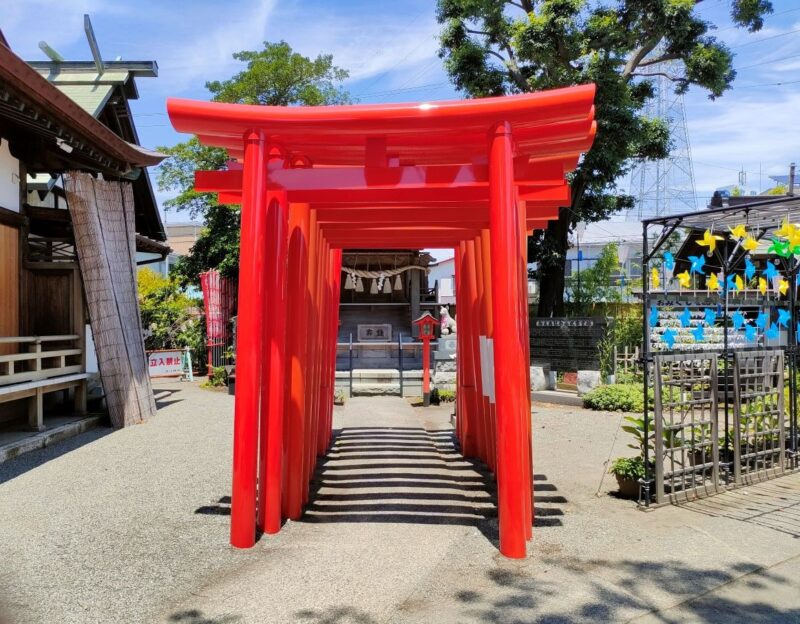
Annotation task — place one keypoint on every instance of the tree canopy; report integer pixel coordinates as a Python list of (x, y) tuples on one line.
[(274, 76), (496, 47)]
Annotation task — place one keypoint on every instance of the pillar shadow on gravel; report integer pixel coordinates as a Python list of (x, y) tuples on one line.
[(411, 475), (408, 475)]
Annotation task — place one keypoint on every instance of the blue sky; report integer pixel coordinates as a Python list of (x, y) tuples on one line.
[(390, 50)]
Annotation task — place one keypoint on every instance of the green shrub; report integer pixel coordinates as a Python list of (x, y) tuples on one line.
[(628, 468), (628, 378), (447, 396), (439, 396), (218, 378), (617, 398)]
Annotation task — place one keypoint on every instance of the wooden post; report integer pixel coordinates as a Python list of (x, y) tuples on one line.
[(508, 352), (414, 297), (297, 363), (273, 376), (249, 342)]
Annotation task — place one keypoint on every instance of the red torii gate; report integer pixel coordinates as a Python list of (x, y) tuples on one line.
[(472, 175)]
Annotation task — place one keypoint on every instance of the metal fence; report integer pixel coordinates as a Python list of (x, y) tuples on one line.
[(406, 355), (696, 451)]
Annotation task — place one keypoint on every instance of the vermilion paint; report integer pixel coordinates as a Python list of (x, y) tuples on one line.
[(394, 176)]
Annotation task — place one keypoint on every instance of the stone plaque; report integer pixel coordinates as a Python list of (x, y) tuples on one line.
[(447, 344), (567, 344), (375, 333)]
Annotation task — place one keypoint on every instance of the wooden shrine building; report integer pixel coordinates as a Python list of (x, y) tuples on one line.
[(75, 205)]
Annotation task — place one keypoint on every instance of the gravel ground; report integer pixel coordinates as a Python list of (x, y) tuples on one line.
[(131, 526)]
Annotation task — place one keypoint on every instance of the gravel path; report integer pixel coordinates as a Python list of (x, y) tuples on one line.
[(132, 526)]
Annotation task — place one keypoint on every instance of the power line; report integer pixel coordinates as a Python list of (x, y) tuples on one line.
[(747, 43), (771, 84), (777, 60), (412, 50)]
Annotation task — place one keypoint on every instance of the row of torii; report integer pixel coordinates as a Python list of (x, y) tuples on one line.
[(472, 175)]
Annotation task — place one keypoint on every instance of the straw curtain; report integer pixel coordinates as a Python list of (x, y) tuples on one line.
[(103, 222)]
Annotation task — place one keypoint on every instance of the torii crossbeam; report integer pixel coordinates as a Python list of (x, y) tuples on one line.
[(472, 175)]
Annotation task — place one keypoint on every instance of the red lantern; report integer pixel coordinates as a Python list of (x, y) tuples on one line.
[(426, 323)]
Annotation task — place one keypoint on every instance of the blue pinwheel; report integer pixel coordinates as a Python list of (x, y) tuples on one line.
[(762, 320), (668, 337), (784, 316), (653, 316), (669, 261), (738, 319), (697, 264), (749, 269), (772, 333), (797, 332), (699, 333), (770, 272), (685, 317), (730, 283), (709, 316), (750, 333)]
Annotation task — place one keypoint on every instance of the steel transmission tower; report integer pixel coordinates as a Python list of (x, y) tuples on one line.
[(665, 186)]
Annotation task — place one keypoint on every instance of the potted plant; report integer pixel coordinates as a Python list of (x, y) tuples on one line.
[(628, 470)]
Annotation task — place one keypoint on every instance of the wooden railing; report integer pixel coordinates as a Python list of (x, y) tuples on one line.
[(39, 362)]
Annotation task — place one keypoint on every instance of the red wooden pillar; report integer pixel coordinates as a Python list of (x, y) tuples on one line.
[(485, 366), (473, 348), (486, 259), (329, 348), (311, 351), (472, 432), (274, 375), (336, 286), (526, 347), (249, 343), (508, 352), (319, 331), (297, 352), (460, 413), (325, 298)]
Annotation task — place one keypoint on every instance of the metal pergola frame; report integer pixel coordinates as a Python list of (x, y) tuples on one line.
[(761, 218)]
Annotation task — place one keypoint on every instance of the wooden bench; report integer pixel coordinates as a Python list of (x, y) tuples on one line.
[(33, 374)]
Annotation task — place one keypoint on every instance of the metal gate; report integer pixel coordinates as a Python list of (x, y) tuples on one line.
[(686, 428), (759, 431), (694, 454)]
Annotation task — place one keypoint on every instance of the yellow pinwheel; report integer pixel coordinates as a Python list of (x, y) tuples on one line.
[(709, 240), (684, 279), (762, 285), (739, 282), (794, 238), (740, 231), (783, 286), (712, 283), (655, 279), (787, 230), (750, 243)]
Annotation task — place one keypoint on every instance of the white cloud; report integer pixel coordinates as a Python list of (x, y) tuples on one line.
[(748, 129)]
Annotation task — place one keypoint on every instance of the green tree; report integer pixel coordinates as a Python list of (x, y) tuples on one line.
[(168, 314), (598, 282), (274, 76), (495, 47)]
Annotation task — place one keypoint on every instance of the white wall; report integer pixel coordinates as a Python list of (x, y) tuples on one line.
[(9, 179), (444, 273)]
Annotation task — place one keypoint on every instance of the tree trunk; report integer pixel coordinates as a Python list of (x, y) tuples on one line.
[(551, 273)]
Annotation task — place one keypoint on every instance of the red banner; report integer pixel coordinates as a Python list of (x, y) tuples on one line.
[(218, 297)]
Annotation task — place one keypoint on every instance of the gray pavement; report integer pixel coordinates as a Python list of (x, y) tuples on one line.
[(131, 526)]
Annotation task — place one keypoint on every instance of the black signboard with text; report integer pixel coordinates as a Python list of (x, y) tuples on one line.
[(567, 344)]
